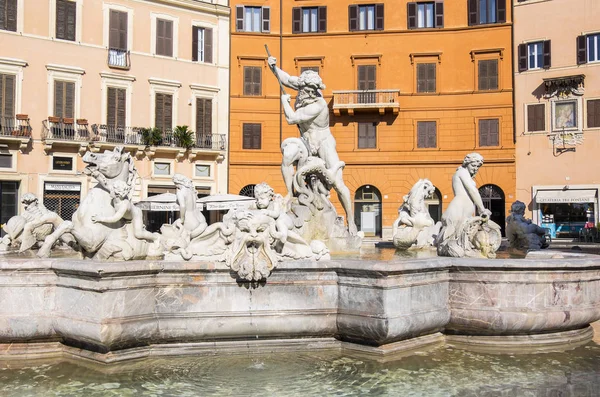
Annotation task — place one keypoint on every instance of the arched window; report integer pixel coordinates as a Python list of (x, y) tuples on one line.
[(248, 191), (367, 210), (434, 205)]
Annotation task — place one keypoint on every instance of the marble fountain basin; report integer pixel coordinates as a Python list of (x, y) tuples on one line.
[(116, 311)]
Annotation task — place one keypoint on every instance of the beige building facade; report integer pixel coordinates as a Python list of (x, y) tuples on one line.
[(90, 75), (557, 99)]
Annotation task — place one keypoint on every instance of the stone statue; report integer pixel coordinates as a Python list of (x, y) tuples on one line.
[(253, 241), (521, 233), (32, 227), (113, 237), (467, 230), (414, 227), (311, 115)]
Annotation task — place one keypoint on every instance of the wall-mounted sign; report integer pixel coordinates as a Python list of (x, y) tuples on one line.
[(63, 187), (62, 163)]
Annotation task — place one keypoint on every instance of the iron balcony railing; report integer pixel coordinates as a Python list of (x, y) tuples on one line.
[(66, 129), (211, 141), (357, 99), (17, 126), (118, 58), (117, 134)]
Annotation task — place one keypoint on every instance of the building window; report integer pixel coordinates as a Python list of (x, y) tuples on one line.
[(247, 191), (163, 111), (593, 113), (309, 19), (202, 44), (253, 19), (7, 97), (65, 19), (365, 17), (6, 160), (9, 202), (8, 15), (252, 80), (367, 136), (164, 37), (426, 77), (593, 47), (536, 117), (306, 68), (534, 55), (162, 169), (204, 123), (486, 11), (64, 99), (116, 111), (117, 39), (367, 83), (62, 163), (487, 74), (202, 170), (489, 131), (251, 136), (426, 134), (425, 15)]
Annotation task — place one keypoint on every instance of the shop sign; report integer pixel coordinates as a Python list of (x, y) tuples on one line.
[(62, 163), (228, 205), (565, 196), (65, 187)]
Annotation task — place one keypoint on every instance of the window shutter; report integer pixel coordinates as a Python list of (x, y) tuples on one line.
[(483, 76), (58, 98), (421, 77), (266, 19), (439, 14), (159, 110), (69, 107), (121, 107), (160, 40), (256, 80), (256, 137), (371, 77), (362, 77), (199, 118), (208, 116), (494, 135), (593, 113), (247, 80), (111, 101), (168, 112), (352, 18), (412, 15), (246, 137), (239, 18), (168, 38), (431, 135), (421, 135), (492, 74), (501, 11), (7, 95), (8, 15), (540, 117), (296, 20), (431, 77), (581, 50), (473, 12), (372, 136), (531, 118), (322, 17), (547, 51), (122, 31), (483, 132), (208, 45), (195, 31), (522, 57), (113, 29), (378, 16), (362, 135), (70, 8), (60, 19)]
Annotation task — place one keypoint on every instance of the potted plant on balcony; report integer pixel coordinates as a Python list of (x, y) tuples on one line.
[(184, 137), (151, 136), (53, 119)]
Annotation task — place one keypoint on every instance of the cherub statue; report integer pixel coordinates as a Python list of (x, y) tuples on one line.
[(124, 209), (522, 234)]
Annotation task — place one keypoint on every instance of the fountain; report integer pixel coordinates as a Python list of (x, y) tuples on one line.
[(266, 280)]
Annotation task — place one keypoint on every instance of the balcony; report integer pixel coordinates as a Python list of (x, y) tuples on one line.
[(65, 132), (16, 129), (365, 100), (118, 59)]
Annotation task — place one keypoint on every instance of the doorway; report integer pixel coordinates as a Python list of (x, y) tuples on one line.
[(367, 210), (493, 199)]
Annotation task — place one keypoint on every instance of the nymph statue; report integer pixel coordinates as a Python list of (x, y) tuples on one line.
[(522, 234), (311, 166), (414, 227), (467, 230)]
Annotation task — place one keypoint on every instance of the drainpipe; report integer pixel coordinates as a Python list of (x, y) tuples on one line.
[(280, 67), (512, 69)]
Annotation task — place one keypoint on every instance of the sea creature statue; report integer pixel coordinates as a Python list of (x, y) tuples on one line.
[(253, 241), (522, 234), (32, 227), (467, 230), (414, 227), (104, 225), (311, 166)]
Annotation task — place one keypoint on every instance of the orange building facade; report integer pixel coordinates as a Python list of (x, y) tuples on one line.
[(412, 87)]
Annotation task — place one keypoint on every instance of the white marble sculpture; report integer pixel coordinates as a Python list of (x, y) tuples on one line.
[(414, 228), (311, 166), (106, 226), (522, 234), (30, 229), (467, 230), (253, 241)]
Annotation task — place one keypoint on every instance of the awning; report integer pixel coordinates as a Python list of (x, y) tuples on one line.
[(226, 201), (565, 196)]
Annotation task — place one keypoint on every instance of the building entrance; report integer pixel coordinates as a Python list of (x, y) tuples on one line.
[(367, 210), (493, 199)]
